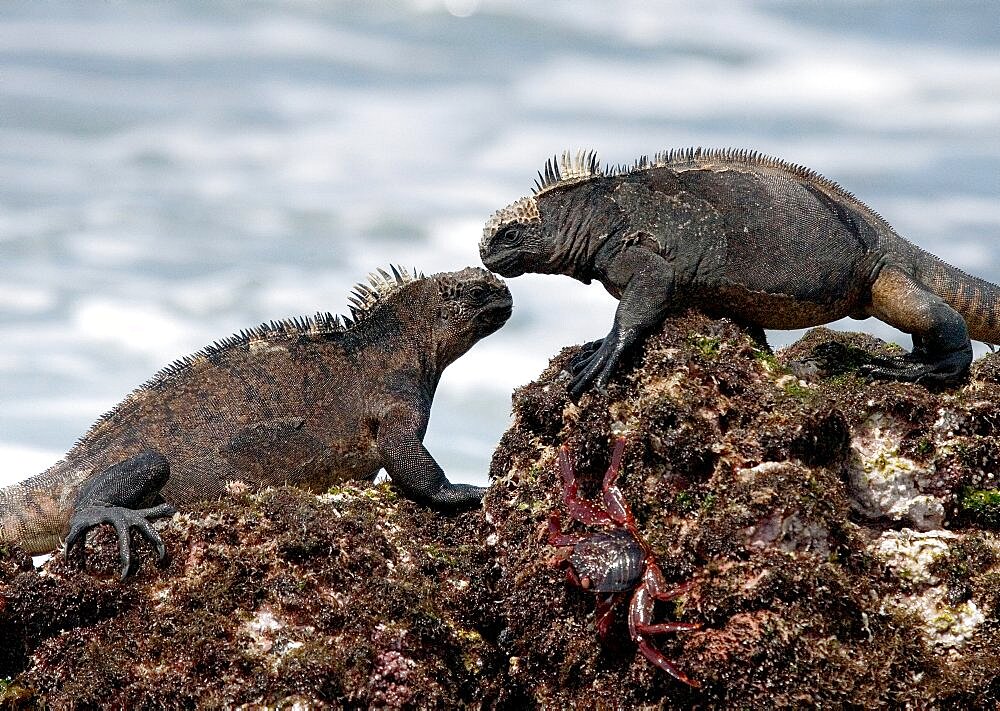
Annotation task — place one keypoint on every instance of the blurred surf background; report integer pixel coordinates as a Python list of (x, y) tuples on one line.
[(173, 172)]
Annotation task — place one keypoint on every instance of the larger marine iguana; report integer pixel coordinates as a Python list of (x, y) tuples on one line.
[(308, 402), (738, 234)]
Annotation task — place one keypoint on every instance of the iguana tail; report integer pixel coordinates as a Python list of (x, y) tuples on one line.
[(34, 517), (977, 300)]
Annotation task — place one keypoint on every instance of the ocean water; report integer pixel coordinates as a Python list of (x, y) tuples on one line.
[(173, 172)]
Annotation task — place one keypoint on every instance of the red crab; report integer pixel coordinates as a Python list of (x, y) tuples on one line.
[(611, 562)]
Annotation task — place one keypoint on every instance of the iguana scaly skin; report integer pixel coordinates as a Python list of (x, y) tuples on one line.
[(743, 235), (308, 402)]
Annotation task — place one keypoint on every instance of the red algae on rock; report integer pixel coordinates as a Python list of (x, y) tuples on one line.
[(354, 598), (841, 536), (810, 507)]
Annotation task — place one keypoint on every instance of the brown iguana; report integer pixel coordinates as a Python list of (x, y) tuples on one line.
[(308, 402), (743, 235)]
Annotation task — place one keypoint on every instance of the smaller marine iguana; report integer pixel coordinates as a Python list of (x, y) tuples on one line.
[(308, 402), (743, 235)]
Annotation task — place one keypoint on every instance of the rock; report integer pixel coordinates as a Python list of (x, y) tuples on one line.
[(357, 598), (788, 490), (840, 537)]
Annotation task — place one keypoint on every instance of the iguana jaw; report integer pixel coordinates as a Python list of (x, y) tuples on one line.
[(495, 314)]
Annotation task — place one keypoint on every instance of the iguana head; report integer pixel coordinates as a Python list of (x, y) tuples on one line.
[(454, 309), (556, 229), (471, 304)]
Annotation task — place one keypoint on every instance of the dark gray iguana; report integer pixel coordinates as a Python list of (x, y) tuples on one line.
[(308, 402), (743, 235)]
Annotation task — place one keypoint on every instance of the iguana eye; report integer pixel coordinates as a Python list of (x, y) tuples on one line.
[(510, 234)]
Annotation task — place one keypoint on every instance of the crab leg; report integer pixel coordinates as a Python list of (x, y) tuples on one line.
[(659, 589), (663, 627), (640, 615), (656, 657), (604, 614), (614, 500), (557, 537), (614, 511)]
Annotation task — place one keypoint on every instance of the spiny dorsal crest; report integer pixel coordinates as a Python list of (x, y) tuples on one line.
[(574, 168), (567, 169), (706, 157), (366, 297)]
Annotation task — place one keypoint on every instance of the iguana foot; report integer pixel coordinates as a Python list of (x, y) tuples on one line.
[(126, 495), (457, 496), (913, 368), (594, 369), (123, 519), (588, 349)]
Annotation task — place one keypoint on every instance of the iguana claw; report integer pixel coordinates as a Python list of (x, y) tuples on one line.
[(910, 368), (595, 368), (587, 350), (123, 519)]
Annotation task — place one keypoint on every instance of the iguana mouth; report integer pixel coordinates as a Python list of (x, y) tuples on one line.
[(509, 269), (496, 313)]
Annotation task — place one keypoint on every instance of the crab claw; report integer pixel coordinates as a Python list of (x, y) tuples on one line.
[(614, 511)]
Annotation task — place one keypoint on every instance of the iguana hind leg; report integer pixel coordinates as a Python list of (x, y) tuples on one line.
[(126, 496), (942, 351)]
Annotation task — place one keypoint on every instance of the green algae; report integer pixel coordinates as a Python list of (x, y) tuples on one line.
[(709, 347), (981, 505), (793, 388), (15, 696)]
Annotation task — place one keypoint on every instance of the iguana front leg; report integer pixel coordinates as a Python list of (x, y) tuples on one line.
[(942, 351), (126, 496), (413, 469), (645, 301)]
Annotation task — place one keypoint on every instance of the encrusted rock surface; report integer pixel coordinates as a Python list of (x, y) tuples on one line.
[(355, 598), (840, 536)]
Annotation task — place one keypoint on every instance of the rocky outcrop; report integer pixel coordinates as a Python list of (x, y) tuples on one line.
[(840, 536), (357, 597), (838, 532)]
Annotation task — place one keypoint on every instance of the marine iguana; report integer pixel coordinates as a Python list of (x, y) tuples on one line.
[(306, 401), (738, 234)]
